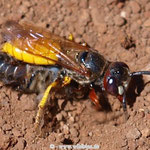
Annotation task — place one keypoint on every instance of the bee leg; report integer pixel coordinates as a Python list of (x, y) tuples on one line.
[(42, 104), (66, 81), (94, 99)]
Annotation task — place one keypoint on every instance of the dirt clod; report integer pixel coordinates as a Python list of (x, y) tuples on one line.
[(133, 134), (119, 21), (146, 132), (74, 132), (147, 23), (136, 8)]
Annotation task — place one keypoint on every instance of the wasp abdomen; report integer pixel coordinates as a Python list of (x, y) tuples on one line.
[(27, 57)]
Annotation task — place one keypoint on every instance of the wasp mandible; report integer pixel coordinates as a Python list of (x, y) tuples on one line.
[(36, 60)]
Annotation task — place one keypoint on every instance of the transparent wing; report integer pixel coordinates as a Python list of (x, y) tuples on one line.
[(39, 42)]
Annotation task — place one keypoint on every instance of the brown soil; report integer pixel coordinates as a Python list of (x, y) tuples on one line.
[(120, 30)]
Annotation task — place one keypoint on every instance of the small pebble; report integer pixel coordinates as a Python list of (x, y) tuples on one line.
[(108, 19), (119, 21), (135, 27), (59, 117), (135, 7), (60, 136), (96, 18), (7, 127), (146, 132), (76, 140), (71, 119), (76, 125), (120, 5), (123, 14), (83, 4), (147, 7), (2, 121), (102, 28), (147, 23), (74, 132), (20, 144), (61, 123), (90, 134), (67, 136), (147, 14), (66, 129), (84, 18), (133, 133), (110, 1), (132, 145), (16, 132), (52, 137), (64, 113), (116, 106), (141, 114)]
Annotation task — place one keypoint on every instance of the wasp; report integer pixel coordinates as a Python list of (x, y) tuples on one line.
[(36, 60)]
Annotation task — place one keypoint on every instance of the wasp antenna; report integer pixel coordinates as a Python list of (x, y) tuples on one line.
[(139, 73)]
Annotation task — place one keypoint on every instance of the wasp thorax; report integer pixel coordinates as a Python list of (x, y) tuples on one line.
[(93, 61), (116, 78)]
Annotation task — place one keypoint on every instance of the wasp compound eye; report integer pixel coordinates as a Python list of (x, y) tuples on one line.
[(119, 70), (83, 57)]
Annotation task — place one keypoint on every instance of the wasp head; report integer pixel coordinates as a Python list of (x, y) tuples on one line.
[(117, 78)]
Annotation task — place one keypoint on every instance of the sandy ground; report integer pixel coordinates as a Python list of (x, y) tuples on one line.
[(119, 30)]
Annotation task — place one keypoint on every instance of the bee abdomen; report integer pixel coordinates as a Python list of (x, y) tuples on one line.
[(27, 77), (10, 73)]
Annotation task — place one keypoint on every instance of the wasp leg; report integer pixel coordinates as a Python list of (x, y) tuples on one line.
[(122, 99), (71, 38), (125, 107), (43, 103), (66, 81), (94, 99)]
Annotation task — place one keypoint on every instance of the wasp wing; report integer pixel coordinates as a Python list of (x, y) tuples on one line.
[(42, 43)]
